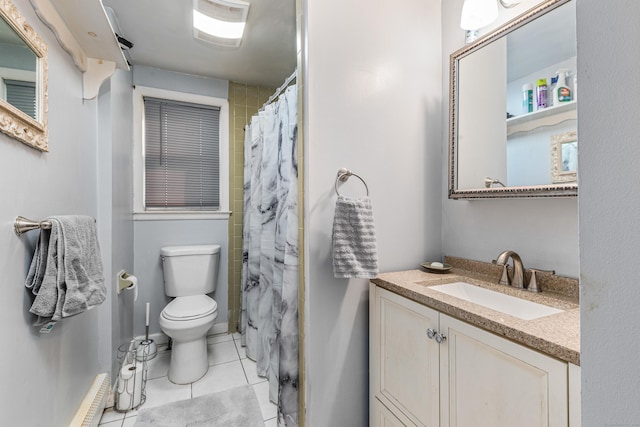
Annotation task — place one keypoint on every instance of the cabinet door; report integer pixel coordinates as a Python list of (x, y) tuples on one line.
[(404, 361), (382, 417), (488, 381)]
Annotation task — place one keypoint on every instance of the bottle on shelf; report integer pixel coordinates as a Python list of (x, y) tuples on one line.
[(527, 98), (561, 92), (541, 94), (551, 101)]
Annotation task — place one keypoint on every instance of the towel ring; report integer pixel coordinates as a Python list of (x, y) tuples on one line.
[(344, 174)]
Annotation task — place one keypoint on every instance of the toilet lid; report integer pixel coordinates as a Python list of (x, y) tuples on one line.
[(191, 307)]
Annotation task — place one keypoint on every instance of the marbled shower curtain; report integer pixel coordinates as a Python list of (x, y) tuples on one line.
[(269, 322)]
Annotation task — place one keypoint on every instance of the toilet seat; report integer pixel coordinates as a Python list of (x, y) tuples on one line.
[(190, 308)]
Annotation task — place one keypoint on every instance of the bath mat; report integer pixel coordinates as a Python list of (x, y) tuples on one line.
[(237, 407)]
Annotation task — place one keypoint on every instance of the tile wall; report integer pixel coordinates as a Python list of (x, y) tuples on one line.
[(244, 102)]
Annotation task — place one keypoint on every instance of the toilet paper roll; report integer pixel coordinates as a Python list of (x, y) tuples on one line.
[(127, 371), (124, 399), (129, 389), (133, 286), (137, 385)]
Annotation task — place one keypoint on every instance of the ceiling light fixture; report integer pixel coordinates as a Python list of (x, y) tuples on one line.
[(220, 21)]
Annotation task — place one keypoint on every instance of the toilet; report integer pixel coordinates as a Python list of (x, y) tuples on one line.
[(190, 273)]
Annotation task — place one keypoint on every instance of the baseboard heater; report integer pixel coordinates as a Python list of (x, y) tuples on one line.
[(94, 402)]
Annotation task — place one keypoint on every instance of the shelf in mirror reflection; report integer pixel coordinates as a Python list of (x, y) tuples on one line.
[(547, 117)]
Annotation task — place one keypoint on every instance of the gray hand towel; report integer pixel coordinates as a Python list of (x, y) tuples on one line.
[(355, 253), (66, 270)]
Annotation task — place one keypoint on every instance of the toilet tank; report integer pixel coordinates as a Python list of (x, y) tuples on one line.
[(190, 270)]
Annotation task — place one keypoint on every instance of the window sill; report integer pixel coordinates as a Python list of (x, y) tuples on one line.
[(180, 215)]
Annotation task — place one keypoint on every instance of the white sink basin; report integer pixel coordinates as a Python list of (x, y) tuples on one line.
[(507, 304)]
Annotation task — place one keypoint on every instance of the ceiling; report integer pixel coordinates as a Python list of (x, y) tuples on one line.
[(543, 42), (162, 34)]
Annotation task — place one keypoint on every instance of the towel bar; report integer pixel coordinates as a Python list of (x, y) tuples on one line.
[(22, 225), (344, 174)]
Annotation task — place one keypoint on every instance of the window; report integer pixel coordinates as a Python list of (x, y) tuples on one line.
[(182, 155), (183, 144), (21, 95)]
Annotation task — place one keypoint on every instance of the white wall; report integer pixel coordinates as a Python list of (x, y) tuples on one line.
[(45, 376), (115, 182), (373, 104), (543, 231), (608, 126)]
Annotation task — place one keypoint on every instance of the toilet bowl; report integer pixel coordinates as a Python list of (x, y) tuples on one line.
[(189, 274), (186, 320)]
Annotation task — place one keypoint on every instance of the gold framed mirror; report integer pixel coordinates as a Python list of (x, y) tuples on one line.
[(498, 141), (23, 79)]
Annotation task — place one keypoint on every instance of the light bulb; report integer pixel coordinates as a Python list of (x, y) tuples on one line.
[(478, 13)]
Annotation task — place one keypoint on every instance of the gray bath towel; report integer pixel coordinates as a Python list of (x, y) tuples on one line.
[(66, 270), (355, 253)]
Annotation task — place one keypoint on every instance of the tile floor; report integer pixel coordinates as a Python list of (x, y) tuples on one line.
[(228, 368)]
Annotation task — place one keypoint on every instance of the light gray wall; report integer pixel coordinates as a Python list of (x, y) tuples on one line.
[(150, 236), (180, 82), (46, 376), (115, 181), (543, 231), (373, 104), (608, 128)]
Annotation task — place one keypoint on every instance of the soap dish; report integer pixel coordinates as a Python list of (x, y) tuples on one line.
[(436, 268)]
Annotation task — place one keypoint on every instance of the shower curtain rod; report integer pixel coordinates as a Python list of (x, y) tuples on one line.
[(280, 89)]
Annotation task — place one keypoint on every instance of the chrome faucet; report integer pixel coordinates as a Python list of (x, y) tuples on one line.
[(518, 269)]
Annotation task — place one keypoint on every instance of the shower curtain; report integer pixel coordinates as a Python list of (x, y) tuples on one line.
[(269, 322)]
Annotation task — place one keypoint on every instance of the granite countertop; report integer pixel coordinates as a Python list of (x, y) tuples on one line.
[(557, 335)]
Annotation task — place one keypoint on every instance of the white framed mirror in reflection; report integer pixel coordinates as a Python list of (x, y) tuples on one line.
[(564, 157), (23, 79), (510, 92)]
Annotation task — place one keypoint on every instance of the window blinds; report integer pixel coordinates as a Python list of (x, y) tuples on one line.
[(182, 155), (22, 95)]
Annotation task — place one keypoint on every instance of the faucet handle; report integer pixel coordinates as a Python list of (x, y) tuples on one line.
[(504, 280), (533, 283)]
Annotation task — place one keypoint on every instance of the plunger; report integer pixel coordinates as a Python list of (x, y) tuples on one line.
[(147, 346)]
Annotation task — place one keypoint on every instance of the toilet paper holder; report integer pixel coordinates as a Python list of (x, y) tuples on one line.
[(130, 390), (127, 281)]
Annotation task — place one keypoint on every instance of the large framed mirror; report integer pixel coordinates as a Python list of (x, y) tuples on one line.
[(510, 92), (23, 79)]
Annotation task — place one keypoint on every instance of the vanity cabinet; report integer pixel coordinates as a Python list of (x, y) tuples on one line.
[(404, 365), (470, 378), (383, 417)]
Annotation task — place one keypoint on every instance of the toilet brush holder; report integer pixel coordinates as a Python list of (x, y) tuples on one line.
[(147, 349)]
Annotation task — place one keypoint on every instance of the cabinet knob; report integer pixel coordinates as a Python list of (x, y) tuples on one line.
[(440, 338), (431, 333)]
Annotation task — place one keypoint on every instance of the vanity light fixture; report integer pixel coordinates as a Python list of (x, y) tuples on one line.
[(220, 22), (480, 13)]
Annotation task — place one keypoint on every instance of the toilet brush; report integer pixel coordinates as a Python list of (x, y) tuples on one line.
[(147, 347)]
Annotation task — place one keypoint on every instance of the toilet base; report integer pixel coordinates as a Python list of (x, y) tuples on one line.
[(189, 361)]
